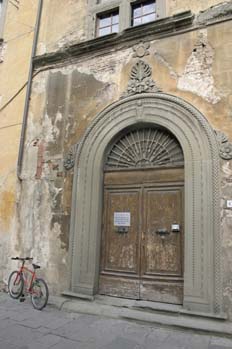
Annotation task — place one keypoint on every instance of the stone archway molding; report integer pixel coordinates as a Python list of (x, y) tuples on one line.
[(202, 261)]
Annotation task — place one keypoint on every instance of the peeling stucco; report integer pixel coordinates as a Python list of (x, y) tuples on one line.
[(3, 47), (67, 97), (38, 237), (39, 84), (73, 95), (197, 76), (107, 68)]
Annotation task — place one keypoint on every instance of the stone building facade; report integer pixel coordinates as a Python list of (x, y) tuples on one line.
[(125, 163)]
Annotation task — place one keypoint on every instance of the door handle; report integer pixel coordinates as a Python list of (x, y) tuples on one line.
[(175, 228), (162, 232)]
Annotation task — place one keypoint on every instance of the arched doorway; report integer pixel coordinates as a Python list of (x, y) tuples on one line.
[(143, 217), (202, 258)]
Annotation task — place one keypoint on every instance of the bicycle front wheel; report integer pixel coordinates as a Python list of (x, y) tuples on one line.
[(15, 284), (39, 294)]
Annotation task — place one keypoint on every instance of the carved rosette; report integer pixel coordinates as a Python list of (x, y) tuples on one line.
[(140, 80), (141, 49), (69, 159), (225, 147)]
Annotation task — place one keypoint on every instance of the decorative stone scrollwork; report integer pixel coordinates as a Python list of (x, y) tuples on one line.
[(69, 159), (145, 147), (140, 80), (225, 147)]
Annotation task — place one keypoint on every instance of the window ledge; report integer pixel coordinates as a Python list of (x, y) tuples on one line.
[(163, 25), (152, 30)]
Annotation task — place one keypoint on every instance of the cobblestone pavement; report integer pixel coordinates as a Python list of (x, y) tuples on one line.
[(22, 327)]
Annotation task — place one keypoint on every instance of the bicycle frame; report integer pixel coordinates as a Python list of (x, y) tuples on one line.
[(21, 271), (24, 281)]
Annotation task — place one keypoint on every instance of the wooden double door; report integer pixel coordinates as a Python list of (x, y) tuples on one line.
[(142, 236)]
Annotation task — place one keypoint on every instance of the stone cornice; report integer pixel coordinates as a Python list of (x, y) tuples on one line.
[(153, 30), (168, 26), (217, 13)]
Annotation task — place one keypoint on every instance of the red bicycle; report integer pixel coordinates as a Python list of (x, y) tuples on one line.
[(24, 281)]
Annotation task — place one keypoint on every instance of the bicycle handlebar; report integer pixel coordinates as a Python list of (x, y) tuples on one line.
[(21, 258)]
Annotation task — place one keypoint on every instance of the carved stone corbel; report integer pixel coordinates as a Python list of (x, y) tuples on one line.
[(225, 147), (69, 159)]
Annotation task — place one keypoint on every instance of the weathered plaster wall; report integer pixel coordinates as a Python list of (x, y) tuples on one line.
[(62, 23), (67, 99), (176, 6), (62, 27), (193, 65), (196, 67), (14, 66)]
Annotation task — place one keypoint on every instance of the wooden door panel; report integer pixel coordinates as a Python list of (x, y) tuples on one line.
[(155, 176), (121, 249), (124, 287), (119, 274), (162, 256), (139, 264), (163, 292)]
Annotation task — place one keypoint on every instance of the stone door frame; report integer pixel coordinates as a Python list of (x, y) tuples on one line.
[(202, 264), (127, 267)]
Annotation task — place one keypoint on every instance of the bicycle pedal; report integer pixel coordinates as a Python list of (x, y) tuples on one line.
[(22, 299)]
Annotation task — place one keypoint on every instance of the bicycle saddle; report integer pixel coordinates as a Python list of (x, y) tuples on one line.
[(35, 266)]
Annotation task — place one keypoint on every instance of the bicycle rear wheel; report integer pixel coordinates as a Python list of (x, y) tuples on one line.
[(15, 284), (39, 294)]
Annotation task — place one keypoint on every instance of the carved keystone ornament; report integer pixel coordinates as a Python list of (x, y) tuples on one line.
[(140, 80)]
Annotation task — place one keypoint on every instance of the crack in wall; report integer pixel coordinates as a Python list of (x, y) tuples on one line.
[(164, 62)]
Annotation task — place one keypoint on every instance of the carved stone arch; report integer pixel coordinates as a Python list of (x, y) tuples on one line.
[(202, 278)]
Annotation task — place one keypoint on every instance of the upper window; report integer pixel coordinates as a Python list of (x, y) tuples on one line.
[(1, 9), (143, 12), (104, 19), (107, 23), (3, 4)]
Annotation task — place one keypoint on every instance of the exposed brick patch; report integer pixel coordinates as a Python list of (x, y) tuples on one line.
[(40, 160), (198, 76)]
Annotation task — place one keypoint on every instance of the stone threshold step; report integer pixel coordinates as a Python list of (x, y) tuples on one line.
[(154, 314), (154, 307)]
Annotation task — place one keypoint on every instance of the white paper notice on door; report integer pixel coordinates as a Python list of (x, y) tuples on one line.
[(122, 219)]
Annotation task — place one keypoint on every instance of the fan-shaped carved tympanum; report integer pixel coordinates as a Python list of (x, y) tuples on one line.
[(146, 147)]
